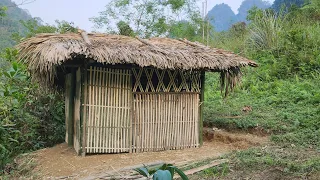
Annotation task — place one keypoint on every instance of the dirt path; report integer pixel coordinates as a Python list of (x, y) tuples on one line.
[(62, 161)]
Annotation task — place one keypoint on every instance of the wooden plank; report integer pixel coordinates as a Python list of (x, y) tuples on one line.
[(201, 168)]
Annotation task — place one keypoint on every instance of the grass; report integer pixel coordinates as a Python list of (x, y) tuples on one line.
[(286, 109), (21, 168)]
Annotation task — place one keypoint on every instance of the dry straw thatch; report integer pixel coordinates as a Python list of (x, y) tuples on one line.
[(44, 52)]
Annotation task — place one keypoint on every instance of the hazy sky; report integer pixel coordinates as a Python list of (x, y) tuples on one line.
[(79, 11)]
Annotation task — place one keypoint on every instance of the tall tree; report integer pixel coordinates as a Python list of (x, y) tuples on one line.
[(146, 18)]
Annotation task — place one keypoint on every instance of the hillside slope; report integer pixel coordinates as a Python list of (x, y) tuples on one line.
[(10, 23)]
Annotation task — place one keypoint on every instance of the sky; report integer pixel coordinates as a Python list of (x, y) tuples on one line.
[(79, 11)]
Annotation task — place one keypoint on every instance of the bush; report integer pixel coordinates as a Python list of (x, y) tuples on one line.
[(29, 118)]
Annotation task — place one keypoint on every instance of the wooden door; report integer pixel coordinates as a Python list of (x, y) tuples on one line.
[(107, 110)]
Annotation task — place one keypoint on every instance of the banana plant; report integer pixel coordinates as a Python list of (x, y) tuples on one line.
[(164, 172)]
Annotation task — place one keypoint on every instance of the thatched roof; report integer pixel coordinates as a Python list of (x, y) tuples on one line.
[(44, 52)]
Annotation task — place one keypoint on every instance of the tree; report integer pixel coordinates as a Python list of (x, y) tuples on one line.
[(124, 29), (35, 26), (146, 18), (249, 4), (3, 10), (286, 4)]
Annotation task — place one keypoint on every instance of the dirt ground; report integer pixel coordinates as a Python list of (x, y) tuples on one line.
[(61, 160)]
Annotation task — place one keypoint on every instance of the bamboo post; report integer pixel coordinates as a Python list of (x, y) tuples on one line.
[(109, 110), (71, 107), (201, 107), (77, 111), (131, 113), (83, 117)]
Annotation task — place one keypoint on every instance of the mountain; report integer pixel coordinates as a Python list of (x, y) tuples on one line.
[(10, 23), (221, 17)]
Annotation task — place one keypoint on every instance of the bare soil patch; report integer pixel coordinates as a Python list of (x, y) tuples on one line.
[(62, 160)]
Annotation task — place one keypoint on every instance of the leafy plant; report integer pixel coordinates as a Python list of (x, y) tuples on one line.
[(164, 172), (29, 118), (146, 18), (3, 10)]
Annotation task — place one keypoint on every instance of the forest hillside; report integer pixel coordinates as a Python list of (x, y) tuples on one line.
[(11, 23)]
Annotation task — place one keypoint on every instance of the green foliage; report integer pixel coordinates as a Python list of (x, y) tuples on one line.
[(286, 4), (264, 30), (163, 172), (10, 17), (3, 10), (147, 18), (124, 29), (35, 26), (283, 92), (29, 118), (249, 4), (296, 161)]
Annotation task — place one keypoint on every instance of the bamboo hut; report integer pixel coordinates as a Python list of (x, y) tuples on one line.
[(125, 94)]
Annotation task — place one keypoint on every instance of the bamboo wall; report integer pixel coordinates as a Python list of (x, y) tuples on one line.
[(165, 121), (138, 110), (107, 109), (166, 113)]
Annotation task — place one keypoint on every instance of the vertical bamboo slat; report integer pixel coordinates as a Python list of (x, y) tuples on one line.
[(89, 124)]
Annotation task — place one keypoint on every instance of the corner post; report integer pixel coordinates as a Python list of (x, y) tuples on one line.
[(202, 79), (84, 109), (70, 105)]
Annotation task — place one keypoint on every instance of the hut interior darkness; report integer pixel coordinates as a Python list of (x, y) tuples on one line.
[(125, 94)]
